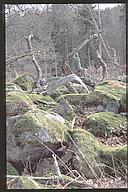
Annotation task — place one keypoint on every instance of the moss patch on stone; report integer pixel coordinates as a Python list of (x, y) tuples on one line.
[(25, 81), (45, 126), (104, 123), (35, 96), (94, 157), (92, 98), (10, 170), (113, 87), (18, 103)]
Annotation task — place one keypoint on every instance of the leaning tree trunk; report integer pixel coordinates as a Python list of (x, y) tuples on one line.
[(39, 71)]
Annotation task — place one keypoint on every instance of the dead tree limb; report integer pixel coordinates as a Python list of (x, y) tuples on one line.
[(98, 30), (56, 84), (114, 55), (103, 65), (39, 71), (76, 50), (26, 54), (82, 70)]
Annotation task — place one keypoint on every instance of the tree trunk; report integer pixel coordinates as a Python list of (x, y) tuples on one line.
[(39, 71)]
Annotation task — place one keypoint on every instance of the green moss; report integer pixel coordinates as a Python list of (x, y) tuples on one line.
[(92, 99), (95, 157), (18, 103), (112, 87), (10, 169), (113, 158), (86, 148), (104, 123), (34, 97), (41, 124), (25, 81), (39, 101)]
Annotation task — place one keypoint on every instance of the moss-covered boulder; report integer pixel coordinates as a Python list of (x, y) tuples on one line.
[(86, 160), (112, 87), (17, 103), (122, 103), (99, 99), (105, 123), (10, 170), (65, 110), (24, 182), (36, 127), (25, 81), (93, 158)]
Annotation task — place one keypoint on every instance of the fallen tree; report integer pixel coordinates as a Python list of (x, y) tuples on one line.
[(53, 85)]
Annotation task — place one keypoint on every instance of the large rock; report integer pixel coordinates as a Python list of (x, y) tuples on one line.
[(32, 133), (92, 158), (102, 101), (85, 160), (105, 97), (105, 123)]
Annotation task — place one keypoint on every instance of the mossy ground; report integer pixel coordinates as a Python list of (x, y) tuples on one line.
[(104, 123)]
